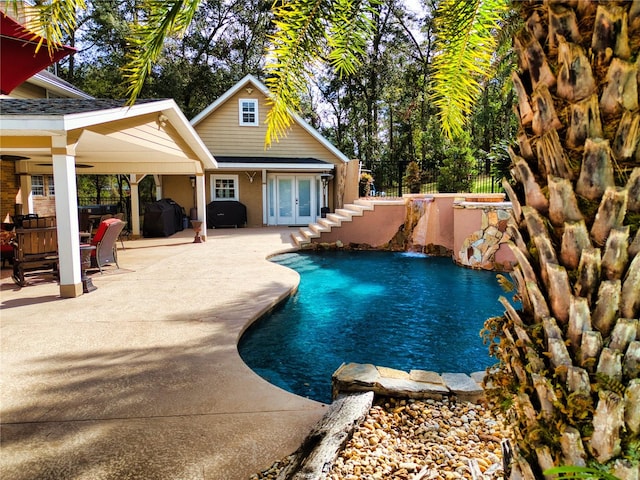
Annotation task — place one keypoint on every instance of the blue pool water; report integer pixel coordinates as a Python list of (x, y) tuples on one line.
[(396, 310)]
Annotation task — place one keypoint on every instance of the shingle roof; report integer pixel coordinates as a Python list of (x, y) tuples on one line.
[(60, 106), (258, 160)]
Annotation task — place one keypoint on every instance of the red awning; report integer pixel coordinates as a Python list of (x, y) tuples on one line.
[(19, 60)]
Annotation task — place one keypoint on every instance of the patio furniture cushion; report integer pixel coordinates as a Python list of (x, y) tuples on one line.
[(6, 246), (105, 242)]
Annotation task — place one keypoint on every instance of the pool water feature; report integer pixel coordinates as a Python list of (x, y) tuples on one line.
[(399, 310)]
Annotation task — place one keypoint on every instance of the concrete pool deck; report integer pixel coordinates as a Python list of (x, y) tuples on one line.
[(141, 379)]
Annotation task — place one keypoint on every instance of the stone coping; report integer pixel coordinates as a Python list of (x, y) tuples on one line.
[(418, 384)]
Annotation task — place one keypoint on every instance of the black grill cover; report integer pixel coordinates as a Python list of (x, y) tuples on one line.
[(162, 218), (226, 213)]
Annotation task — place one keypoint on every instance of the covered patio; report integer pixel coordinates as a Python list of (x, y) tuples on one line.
[(141, 378), (64, 137)]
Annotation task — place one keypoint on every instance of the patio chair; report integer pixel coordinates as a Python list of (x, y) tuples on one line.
[(123, 233), (105, 240)]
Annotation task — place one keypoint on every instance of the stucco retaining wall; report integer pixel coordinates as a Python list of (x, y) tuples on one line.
[(471, 227), (375, 227)]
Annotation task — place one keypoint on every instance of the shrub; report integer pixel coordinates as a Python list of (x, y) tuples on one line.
[(456, 169), (366, 180), (413, 177)]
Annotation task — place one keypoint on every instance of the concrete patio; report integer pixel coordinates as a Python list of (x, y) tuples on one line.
[(141, 379)]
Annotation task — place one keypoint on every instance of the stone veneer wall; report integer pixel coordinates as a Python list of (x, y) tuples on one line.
[(486, 246)]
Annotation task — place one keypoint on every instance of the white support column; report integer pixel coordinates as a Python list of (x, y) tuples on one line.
[(265, 198), (158, 181), (201, 205), (64, 177), (134, 181)]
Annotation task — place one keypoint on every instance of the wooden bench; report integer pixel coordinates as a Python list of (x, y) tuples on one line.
[(35, 248)]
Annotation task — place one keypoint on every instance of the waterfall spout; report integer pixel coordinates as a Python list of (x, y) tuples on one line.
[(416, 226)]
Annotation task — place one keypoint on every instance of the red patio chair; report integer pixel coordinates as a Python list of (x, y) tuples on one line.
[(105, 240)]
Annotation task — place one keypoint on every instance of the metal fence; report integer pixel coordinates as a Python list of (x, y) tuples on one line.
[(388, 180), (84, 201), (106, 204)]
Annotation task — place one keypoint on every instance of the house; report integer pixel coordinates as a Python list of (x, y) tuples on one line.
[(293, 182)]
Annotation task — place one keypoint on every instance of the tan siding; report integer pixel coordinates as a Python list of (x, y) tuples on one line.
[(178, 188), (145, 131), (27, 90), (250, 195), (223, 135)]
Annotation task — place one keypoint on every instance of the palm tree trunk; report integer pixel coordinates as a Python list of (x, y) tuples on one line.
[(570, 357)]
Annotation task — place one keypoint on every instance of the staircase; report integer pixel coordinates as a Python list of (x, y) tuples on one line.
[(305, 235)]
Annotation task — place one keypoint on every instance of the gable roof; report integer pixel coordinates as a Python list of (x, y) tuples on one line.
[(24, 121), (281, 163), (265, 91)]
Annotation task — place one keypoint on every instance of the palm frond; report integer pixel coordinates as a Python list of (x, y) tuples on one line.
[(310, 31), (294, 45), (161, 19), (580, 472), (348, 33), (466, 43)]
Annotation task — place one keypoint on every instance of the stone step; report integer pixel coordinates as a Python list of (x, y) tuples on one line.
[(298, 239), (363, 204), (332, 220), (309, 233), (355, 377), (319, 228), (338, 219), (352, 210), (328, 223)]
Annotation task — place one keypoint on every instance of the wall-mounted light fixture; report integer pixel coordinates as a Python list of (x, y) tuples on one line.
[(250, 176), (162, 120), (325, 178), (193, 182)]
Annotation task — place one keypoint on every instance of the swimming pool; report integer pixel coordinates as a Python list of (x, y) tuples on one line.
[(397, 310)]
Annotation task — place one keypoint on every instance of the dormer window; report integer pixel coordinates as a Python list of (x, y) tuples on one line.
[(248, 112)]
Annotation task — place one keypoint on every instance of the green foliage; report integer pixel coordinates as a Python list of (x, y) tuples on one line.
[(51, 20), (413, 177), (309, 31), (456, 168), (466, 42), (366, 180), (160, 19), (580, 472), (147, 190), (605, 382), (500, 160)]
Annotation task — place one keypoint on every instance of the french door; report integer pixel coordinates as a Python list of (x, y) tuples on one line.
[(292, 199)]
